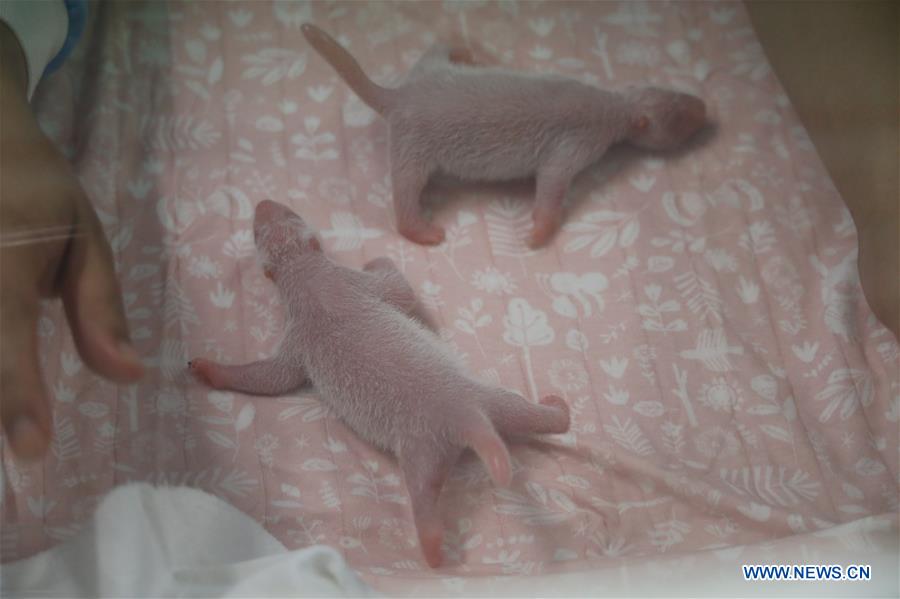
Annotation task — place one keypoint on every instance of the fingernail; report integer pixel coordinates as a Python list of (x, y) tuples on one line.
[(129, 354), (27, 440), (127, 351)]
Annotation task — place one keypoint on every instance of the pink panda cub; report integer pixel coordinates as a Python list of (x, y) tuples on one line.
[(353, 335)]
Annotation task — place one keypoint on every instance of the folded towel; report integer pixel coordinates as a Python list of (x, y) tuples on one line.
[(174, 541)]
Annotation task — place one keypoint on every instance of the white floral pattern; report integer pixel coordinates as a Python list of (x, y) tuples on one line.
[(699, 313)]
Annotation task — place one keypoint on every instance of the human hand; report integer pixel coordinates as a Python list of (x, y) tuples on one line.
[(51, 244)]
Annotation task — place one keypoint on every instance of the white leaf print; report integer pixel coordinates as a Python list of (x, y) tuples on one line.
[(747, 290), (510, 503), (665, 535), (318, 465), (765, 386), (562, 500), (629, 233), (465, 218), (40, 506), (71, 363), (643, 182), (734, 191), (245, 417), (167, 134), (796, 523), (574, 481), (600, 237), (771, 487), (629, 435), (852, 492), (329, 498), (605, 242), (615, 367), (681, 393), (62, 393), (764, 410), (142, 271), (312, 409), (617, 397), (571, 289), (756, 511), (508, 223), (221, 297), (349, 232), (684, 209), (713, 350), (272, 65), (122, 238), (537, 492), (290, 490), (702, 297), (197, 88), (319, 93), (269, 124), (215, 71), (240, 245), (355, 113), (310, 143), (869, 467), (526, 327), (196, 50), (221, 439), (93, 409), (650, 409), (222, 401), (777, 432), (542, 26), (563, 306), (806, 352), (847, 389), (577, 341)]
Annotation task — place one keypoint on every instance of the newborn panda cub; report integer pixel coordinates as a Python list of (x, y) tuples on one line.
[(354, 336), (494, 124)]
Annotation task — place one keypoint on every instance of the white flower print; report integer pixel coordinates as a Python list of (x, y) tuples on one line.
[(721, 395), (336, 190), (782, 275), (264, 446), (759, 238), (568, 375), (169, 403), (292, 14), (721, 260), (490, 280), (431, 295), (393, 534), (203, 267), (717, 441)]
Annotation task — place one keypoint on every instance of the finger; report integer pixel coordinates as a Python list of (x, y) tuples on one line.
[(24, 408), (93, 302)]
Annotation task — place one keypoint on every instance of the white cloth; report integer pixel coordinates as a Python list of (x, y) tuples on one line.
[(177, 542), (41, 28)]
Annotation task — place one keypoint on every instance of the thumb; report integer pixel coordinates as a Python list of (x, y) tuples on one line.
[(93, 302)]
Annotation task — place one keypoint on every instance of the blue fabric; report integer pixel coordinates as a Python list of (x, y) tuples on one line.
[(78, 10)]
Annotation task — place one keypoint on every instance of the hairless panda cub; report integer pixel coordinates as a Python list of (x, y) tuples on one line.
[(494, 124), (351, 333)]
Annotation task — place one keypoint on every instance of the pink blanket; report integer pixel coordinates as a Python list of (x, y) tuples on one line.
[(700, 312)]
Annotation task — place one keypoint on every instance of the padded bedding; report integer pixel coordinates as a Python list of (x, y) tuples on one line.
[(700, 312)]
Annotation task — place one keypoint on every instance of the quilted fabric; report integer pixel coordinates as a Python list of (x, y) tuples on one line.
[(700, 312)]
